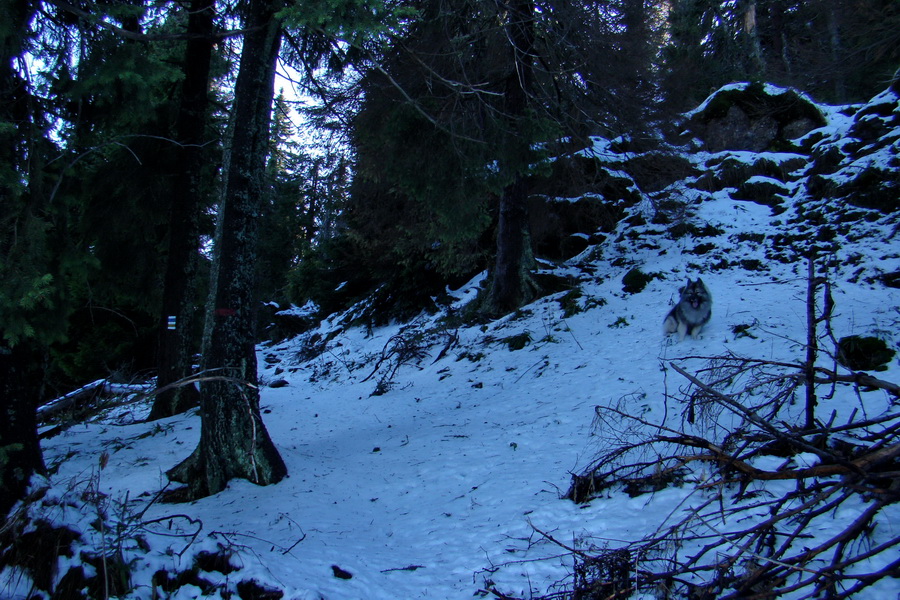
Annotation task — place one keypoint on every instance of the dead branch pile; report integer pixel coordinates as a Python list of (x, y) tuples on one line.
[(410, 346), (761, 523)]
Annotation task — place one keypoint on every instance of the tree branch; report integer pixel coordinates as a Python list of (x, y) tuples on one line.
[(142, 37)]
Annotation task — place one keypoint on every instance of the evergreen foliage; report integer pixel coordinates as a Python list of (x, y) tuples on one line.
[(306, 191), (835, 50), (426, 148)]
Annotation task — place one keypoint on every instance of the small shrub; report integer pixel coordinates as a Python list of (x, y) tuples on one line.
[(891, 280), (382, 387), (687, 228), (37, 551), (701, 249), (742, 330), (517, 342), (753, 264), (569, 303), (747, 236), (594, 303), (605, 576), (470, 356), (112, 576), (253, 590), (163, 581), (864, 353), (619, 323), (636, 280), (215, 562), (312, 346)]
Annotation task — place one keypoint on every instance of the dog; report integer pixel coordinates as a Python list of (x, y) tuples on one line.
[(692, 311)]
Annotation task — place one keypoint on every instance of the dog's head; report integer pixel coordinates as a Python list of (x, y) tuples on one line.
[(695, 293)]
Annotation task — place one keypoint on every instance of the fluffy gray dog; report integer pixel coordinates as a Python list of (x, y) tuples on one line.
[(692, 311)]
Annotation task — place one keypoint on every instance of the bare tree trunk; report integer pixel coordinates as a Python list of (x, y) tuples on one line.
[(780, 45), (835, 45), (20, 451), (176, 338), (754, 50), (234, 442), (812, 346), (512, 285)]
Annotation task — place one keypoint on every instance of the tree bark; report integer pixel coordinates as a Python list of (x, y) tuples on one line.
[(512, 285), (811, 348), (835, 45), (756, 61), (20, 451), (176, 344), (234, 442)]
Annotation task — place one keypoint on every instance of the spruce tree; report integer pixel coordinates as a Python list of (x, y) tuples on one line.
[(37, 262), (176, 338), (24, 279), (511, 281), (233, 439)]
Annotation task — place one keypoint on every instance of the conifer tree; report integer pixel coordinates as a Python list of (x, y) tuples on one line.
[(511, 281), (447, 133), (233, 439), (24, 278), (284, 212), (187, 191)]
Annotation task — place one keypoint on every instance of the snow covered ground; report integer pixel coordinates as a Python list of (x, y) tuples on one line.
[(440, 486)]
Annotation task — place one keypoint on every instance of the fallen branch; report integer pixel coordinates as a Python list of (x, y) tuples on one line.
[(120, 394), (90, 391), (718, 455), (755, 419)]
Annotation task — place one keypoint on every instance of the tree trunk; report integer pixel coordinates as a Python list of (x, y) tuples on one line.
[(233, 440), (176, 339), (835, 45), (511, 284), (757, 65), (638, 66), (20, 451)]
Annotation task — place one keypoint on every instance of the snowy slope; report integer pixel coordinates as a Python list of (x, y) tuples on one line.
[(439, 486)]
